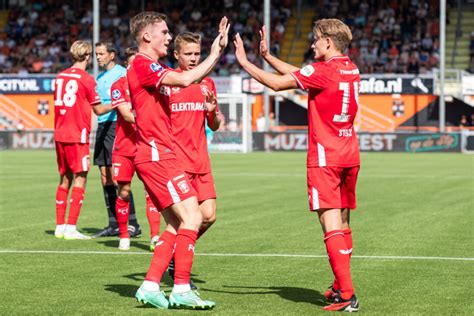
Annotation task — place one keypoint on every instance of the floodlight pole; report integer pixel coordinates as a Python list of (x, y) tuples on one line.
[(95, 35), (442, 64), (266, 66)]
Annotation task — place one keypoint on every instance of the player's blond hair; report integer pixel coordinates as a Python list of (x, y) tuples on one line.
[(335, 29), (186, 37), (80, 50), (142, 20)]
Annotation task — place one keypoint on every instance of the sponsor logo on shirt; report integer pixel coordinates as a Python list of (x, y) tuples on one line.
[(307, 70), (176, 90), (183, 186), (116, 94), (155, 67), (188, 106)]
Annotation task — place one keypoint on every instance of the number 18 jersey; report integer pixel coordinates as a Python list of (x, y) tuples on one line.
[(74, 94), (332, 106)]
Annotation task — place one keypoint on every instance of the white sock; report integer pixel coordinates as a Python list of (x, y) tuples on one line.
[(150, 286), (61, 227), (181, 288), (70, 228)]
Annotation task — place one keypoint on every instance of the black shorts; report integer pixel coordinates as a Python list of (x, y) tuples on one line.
[(104, 143)]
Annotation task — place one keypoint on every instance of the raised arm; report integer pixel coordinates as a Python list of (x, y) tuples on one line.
[(279, 65), (273, 81), (185, 78)]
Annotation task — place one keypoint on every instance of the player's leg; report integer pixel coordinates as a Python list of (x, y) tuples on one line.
[(62, 193), (77, 198), (206, 193), (325, 198), (103, 159), (182, 296), (154, 219), (208, 211), (134, 228), (122, 207)]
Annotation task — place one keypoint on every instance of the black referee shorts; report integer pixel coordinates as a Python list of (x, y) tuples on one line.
[(104, 143)]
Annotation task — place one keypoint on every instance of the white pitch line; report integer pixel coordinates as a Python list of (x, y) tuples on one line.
[(274, 255)]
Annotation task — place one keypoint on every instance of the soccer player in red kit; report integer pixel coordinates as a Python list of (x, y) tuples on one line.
[(333, 154), (123, 153), (74, 96), (156, 162), (190, 108)]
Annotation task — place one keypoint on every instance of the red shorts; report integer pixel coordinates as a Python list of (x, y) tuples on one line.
[(332, 187), (124, 169), (72, 157), (203, 184), (165, 182)]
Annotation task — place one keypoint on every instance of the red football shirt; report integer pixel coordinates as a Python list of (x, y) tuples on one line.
[(125, 134), (150, 101), (74, 94), (188, 116), (332, 106)]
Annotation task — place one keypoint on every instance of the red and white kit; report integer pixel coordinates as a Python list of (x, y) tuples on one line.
[(124, 148), (155, 160), (333, 154), (74, 94), (188, 117)]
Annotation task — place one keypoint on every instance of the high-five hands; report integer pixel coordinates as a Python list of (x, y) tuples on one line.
[(221, 41), (240, 53), (263, 42)]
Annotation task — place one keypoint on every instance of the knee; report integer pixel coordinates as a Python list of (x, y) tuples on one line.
[(209, 218), (124, 195)]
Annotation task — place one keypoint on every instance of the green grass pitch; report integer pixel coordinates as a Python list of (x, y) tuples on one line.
[(413, 240)]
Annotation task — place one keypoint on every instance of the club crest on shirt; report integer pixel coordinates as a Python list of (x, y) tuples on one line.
[(183, 186), (116, 94), (204, 89), (307, 70), (155, 67)]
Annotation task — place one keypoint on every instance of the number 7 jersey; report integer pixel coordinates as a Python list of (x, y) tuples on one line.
[(333, 98), (74, 94)]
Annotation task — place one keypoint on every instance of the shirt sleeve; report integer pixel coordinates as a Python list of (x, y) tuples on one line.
[(91, 91), (150, 74), (118, 93), (311, 76)]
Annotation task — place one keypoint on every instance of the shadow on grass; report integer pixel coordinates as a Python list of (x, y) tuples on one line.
[(294, 294), (113, 243), (49, 232)]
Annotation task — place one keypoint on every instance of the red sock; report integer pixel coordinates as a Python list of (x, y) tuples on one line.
[(122, 210), (340, 261), (77, 196), (184, 254), (348, 241), (161, 257), (153, 217), (61, 204)]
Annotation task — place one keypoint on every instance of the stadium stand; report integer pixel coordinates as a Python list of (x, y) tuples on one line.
[(36, 36)]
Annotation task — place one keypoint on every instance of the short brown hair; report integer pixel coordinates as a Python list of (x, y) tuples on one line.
[(109, 47), (335, 29), (187, 37), (129, 52), (80, 50), (142, 20)]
